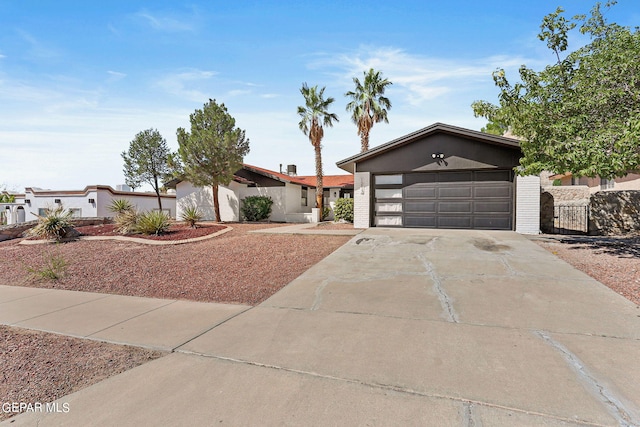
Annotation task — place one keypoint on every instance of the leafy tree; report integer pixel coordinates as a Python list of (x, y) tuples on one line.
[(582, 113), (368, 105), (146, 161), (495, 128), (314, 115), (213, 151)]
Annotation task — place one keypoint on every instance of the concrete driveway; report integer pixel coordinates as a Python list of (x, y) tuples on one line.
[(399, 327)]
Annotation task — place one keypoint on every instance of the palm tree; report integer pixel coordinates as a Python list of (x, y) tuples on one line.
[(314, 115), (368, 105)]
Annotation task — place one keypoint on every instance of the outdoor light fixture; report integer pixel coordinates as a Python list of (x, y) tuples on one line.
[(437, 156), (27, 201), (57, 201), (92, 201)]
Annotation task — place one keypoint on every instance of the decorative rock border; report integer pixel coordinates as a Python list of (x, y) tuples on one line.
[(135, 239)]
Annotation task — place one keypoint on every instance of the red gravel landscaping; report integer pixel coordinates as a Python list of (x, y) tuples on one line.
[(235, 267), (38, 367), (613, 261), (177, 231)]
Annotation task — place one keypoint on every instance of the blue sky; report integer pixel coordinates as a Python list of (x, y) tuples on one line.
[(78, 80)]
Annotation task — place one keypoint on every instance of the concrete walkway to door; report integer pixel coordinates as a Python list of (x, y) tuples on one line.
[(399, 327)]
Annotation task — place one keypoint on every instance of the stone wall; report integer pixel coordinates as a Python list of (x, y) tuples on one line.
[(14, 231), (614, 212)]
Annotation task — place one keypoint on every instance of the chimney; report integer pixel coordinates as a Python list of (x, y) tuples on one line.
[(292, 170)]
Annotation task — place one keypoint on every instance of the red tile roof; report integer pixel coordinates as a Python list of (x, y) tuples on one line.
[(341, 181)]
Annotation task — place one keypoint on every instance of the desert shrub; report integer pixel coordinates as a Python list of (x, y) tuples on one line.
[(54, 267), (126, 221), (557, 182), (343, 210), (153, 222), (191, 215), (256, 208), (119, 206), (54, 224)]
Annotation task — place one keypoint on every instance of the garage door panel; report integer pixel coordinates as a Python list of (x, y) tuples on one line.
[(422, 221), (455, 207), (492, 191), (464, 176), (492, 222), (454, 222), (503, 207), (455, 192), (422, 207), (420, 192)]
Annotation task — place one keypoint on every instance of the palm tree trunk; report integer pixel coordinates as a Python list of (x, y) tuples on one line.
[(319, 189), (364, 142), (216, 202)]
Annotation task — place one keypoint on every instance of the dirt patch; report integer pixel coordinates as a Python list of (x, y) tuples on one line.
[(613, 261), (39, 367), (336, 226), (236, 267)]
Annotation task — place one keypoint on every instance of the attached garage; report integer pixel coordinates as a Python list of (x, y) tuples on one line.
[(441, 176)]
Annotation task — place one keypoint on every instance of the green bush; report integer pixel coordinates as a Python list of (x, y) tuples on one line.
[(343, 210), (256, 208), (557, 182), (191, 215), (152, 222), (54, 224)]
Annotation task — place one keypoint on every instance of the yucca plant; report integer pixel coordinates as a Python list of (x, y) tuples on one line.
[(120, 206), (191, 215), (54, 224), (153, 222), (127, 221)]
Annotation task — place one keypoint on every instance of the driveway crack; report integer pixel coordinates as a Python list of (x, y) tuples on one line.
[(615, 407), (444, 299)]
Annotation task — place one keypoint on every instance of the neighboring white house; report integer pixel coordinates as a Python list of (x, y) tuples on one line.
[(93, 201), (293, 196)]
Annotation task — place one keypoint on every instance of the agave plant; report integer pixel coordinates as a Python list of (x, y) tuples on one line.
[(191, 215), (54, 224)]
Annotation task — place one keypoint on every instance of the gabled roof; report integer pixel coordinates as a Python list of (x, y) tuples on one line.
[(349, 163)]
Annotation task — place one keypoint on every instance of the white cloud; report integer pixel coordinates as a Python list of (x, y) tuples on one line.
[(238, 92), (416, 78), (115, 76), (168, 23), (190, 85)]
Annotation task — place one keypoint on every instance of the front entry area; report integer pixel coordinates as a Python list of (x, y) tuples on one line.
[(469, 199)]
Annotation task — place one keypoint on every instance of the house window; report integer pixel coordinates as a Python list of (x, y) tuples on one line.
[(42, 211), (76, 212), (304, 196), (606, 184), (325, 196)]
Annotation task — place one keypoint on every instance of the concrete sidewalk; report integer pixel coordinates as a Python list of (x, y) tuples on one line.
[(144, 322), (398, 327)]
